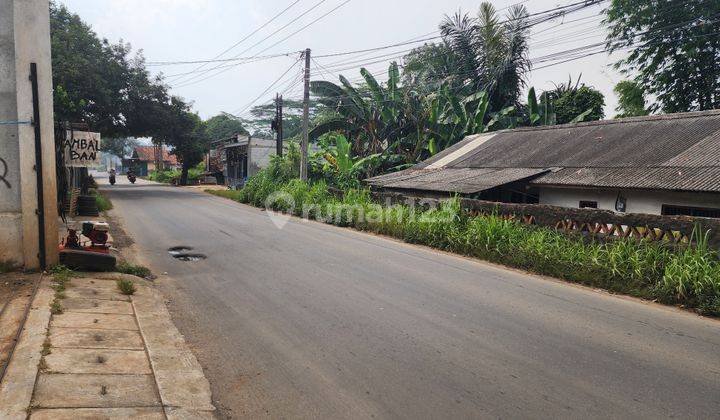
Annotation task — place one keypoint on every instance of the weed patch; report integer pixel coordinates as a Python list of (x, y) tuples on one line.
[(46, 348), (135, 270), (60, 273), (56, 307), (103, 203), (127, 287)]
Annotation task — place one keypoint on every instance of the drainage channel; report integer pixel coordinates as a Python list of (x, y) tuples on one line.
[(183, 253)]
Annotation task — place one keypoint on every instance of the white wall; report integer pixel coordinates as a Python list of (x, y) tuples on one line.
[(637, 201), (259, 154)]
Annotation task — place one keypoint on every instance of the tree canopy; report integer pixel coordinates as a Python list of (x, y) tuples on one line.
[(631, 99), (223, 126), (107, 87), (674, 49), (101, 83)]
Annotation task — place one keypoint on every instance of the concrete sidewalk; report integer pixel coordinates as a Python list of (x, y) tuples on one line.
[(107, 355)]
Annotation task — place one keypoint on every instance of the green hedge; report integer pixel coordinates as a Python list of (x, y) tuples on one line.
[(689, 275)]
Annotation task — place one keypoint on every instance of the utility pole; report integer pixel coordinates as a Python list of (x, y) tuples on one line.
[(306, 117), (278, 123)]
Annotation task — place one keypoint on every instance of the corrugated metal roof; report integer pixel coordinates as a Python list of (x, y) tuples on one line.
[(643, 152), (463, 180), (667, 178)]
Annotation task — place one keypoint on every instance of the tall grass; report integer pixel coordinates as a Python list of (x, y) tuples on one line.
[(688, 275), (103, 203)]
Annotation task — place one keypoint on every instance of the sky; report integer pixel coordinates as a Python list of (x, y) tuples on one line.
[(191, 30)]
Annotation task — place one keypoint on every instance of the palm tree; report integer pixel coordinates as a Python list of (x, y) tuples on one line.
[(491, 55)]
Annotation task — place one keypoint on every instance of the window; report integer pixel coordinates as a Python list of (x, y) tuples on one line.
[(670, 210), (588, 204)]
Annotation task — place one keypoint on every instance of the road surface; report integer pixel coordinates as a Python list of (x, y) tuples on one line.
[(313, 321)]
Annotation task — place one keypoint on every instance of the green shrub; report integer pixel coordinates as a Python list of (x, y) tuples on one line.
[(132, 269), (127, 287), (231, 194), (103, 203), (692, 276), (60, 273), (170, 176)]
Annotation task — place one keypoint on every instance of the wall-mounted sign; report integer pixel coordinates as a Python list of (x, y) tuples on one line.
[(82, 148)]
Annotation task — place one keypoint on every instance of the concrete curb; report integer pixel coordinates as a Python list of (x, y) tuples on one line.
[(184, 390), (16, 390)]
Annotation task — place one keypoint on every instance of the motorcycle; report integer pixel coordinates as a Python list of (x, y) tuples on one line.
[(112, 179), (131, 178)]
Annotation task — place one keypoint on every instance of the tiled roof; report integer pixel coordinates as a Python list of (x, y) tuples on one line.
[(674, 152), (147, 154)]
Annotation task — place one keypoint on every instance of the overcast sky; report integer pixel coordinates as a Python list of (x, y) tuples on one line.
[(187, 30)]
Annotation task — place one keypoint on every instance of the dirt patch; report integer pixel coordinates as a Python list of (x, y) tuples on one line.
[(121, 239), (15, 293)]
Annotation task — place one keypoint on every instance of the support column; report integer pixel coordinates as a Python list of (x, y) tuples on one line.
[(25, 39)]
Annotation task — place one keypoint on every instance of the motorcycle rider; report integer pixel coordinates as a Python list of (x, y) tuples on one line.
[(112, 176), (131, 176)]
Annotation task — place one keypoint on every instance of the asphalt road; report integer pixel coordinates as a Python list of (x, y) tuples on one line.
[(315, 321)]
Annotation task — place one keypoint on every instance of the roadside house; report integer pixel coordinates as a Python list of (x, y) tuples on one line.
[(665, 164), (143, 160), (233, 160)]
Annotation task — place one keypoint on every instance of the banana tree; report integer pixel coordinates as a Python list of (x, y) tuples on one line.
[(452, 117), (543, 113), (540, 113), (369, 119)]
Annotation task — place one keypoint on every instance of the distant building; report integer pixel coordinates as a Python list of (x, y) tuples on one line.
[(143, 160), (233, 160), (665, 164)]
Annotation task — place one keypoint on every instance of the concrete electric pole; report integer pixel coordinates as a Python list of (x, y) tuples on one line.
[(306, 117), (278, 124)]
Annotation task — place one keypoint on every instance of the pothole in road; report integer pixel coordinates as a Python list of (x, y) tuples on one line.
[(179, 250), (181, 253), (189, 257)]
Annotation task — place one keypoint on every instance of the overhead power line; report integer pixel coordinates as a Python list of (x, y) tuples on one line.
[(250, 34), (300, 16), (268, 88), (287, 37)]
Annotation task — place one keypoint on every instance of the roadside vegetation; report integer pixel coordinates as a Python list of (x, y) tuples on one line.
[(103, 203), (61, 276), (133, 269), (127, 287), (172, 176)]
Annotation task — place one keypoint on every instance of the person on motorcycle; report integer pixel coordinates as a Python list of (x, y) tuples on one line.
[(131, 176), (112, 176)]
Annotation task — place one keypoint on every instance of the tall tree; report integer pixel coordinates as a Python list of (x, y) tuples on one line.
[(674, 49), (573, 100), (263, 115), (223, 126), (100, 83), (186, 133), (428, 66), (490, 55), (631, 99)]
